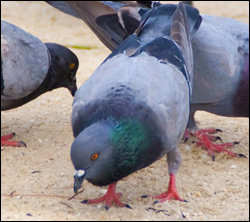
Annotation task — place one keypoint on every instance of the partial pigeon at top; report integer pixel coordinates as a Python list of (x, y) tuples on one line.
[(111, 21), (221, 58), (30, 68), (135, 107)]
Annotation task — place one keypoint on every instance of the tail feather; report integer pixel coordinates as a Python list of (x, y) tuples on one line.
[(180, 33)]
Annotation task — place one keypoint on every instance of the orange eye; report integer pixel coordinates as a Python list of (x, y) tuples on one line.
[(72, 66), (94, 156)]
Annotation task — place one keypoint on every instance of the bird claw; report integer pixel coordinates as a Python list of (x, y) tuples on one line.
[(218, 138), (145, 196), (128, 206), (84, 201), (23, 144), (218, 130), (240, 155), (125, 205), (155, 202), (213, 157)]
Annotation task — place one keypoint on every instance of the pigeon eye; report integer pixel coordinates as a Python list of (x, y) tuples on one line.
[(72, 66), (94, 156)]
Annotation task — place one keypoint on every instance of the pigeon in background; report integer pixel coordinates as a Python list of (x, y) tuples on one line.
[(30, 68), (111, 21), (134, 109), (221, 60), (221, 76)]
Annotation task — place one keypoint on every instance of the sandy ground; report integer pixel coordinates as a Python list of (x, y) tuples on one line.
[(37, 181)]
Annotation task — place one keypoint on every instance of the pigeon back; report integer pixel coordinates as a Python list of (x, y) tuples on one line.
[(19, 48)]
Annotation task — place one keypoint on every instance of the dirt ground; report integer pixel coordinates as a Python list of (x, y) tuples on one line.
[(37, 181)]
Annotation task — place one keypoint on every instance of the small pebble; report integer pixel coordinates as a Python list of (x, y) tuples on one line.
[(187, 148), (233, 166), (198, 194)]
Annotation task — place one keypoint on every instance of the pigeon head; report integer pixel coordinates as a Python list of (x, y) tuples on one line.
[(91, 154), (63, 68), (105, 152)]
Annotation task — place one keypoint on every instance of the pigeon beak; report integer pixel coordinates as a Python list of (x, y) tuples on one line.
[(73, 89), (78, 179), (72, 86)]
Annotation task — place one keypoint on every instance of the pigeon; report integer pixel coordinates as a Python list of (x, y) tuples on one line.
[(111, 21), (30, 68), (221, 76), (221, 61), (134, 108)]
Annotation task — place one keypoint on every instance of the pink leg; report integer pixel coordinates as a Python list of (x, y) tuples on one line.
[(171, 192)]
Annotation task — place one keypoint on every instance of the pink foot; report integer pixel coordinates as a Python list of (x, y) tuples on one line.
[(110, 197), (170, 194), (205, 141), (188, 134), (5, 141)]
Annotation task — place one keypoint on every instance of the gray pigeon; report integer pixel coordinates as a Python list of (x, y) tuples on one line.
[(135, 107), (221, 75), (111, 21), (221, 60), (30, 68)]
